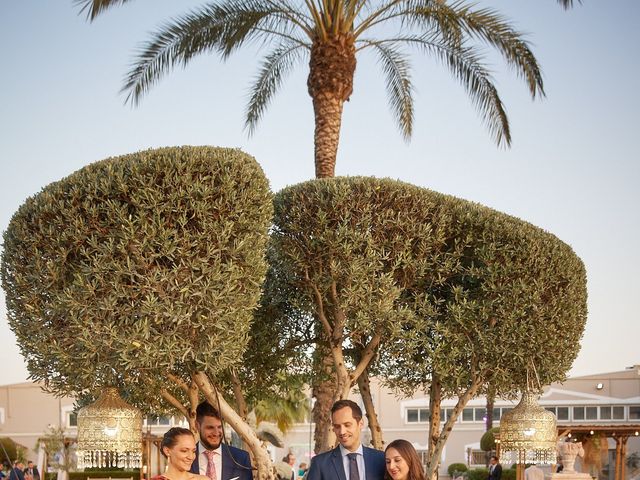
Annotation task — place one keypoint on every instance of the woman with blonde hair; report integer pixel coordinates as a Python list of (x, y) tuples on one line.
[(403, 462)]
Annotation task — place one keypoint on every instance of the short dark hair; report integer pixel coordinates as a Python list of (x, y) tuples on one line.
[(170, 438), (409, 454), (356, 411), (205, 409), (493, 457)]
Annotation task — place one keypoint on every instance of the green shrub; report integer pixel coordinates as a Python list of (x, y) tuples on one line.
[(508, 474), (488, 440), (456, 468), (478, 474)]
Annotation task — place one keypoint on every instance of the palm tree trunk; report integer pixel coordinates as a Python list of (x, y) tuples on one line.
[(330, 83), (327, 109)]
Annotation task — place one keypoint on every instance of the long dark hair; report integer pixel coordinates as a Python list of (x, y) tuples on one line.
[(171, 437), (409, 454)]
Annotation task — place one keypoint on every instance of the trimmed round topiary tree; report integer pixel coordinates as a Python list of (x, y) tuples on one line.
[(140, 271), (488, 439), (456, 468)]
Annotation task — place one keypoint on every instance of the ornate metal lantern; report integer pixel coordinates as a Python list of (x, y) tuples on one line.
[(528, 433), (109, 433)]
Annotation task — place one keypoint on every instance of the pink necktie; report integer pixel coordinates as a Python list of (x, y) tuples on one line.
[(211, 466)]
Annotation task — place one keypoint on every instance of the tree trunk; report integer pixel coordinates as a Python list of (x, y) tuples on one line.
[(435, 401), (324, 391), (327, 110), (259, 454), (374, 426), (330, 83), (436, 452), (491, 397)]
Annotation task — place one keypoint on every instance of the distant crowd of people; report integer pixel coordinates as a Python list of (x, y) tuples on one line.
[(211, 459), (18, 471)]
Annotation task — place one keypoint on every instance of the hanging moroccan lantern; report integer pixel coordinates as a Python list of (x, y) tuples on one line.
[(109, 433), (528, 433)]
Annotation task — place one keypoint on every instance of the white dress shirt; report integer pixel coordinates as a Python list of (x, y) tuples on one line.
[(359, 459), (203, 460)]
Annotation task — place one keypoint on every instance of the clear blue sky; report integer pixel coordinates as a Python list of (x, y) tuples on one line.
[(573, 169)]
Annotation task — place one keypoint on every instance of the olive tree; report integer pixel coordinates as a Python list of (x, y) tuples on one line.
[(347, 248), (144, 271), (486, 325)]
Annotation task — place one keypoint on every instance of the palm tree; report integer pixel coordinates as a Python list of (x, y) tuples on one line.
[(331, 34)]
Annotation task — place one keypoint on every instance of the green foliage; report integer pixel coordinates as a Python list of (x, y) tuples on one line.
[(478, 474), (346, 247), (13, 449), (456, 469), (138, 265), (55, 442), (454, 33), (488, 439), (508, 287), (483, 474), (509, 474)]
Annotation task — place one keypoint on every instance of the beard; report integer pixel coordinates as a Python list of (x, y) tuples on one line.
[(208, 445)]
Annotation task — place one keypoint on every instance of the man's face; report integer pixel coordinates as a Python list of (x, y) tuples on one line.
[(210, 430), (347, 428), (493, 461)]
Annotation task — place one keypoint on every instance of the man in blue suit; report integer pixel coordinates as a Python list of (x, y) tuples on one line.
[(349, 460), (215, 459)]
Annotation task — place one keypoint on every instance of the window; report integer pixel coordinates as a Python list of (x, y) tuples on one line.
[(634, 412), (424, 457), (467, 415), (496, 414), (592, 413), (412, 415), (480, 414), (578, 413), (417, 415), (72, 419), (477, 457), (448, 412), (605, 413), (157, 420), (617, 413), (69, 417), (561, 413)]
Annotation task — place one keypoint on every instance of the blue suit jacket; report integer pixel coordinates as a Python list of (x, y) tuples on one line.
[(329, 466), (240, 469)]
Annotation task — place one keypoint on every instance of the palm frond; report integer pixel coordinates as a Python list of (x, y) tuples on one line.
[(216, 27), (467, 67), (396, 68), (96, 7), (566, 4), (485, 25), (275, 67)]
